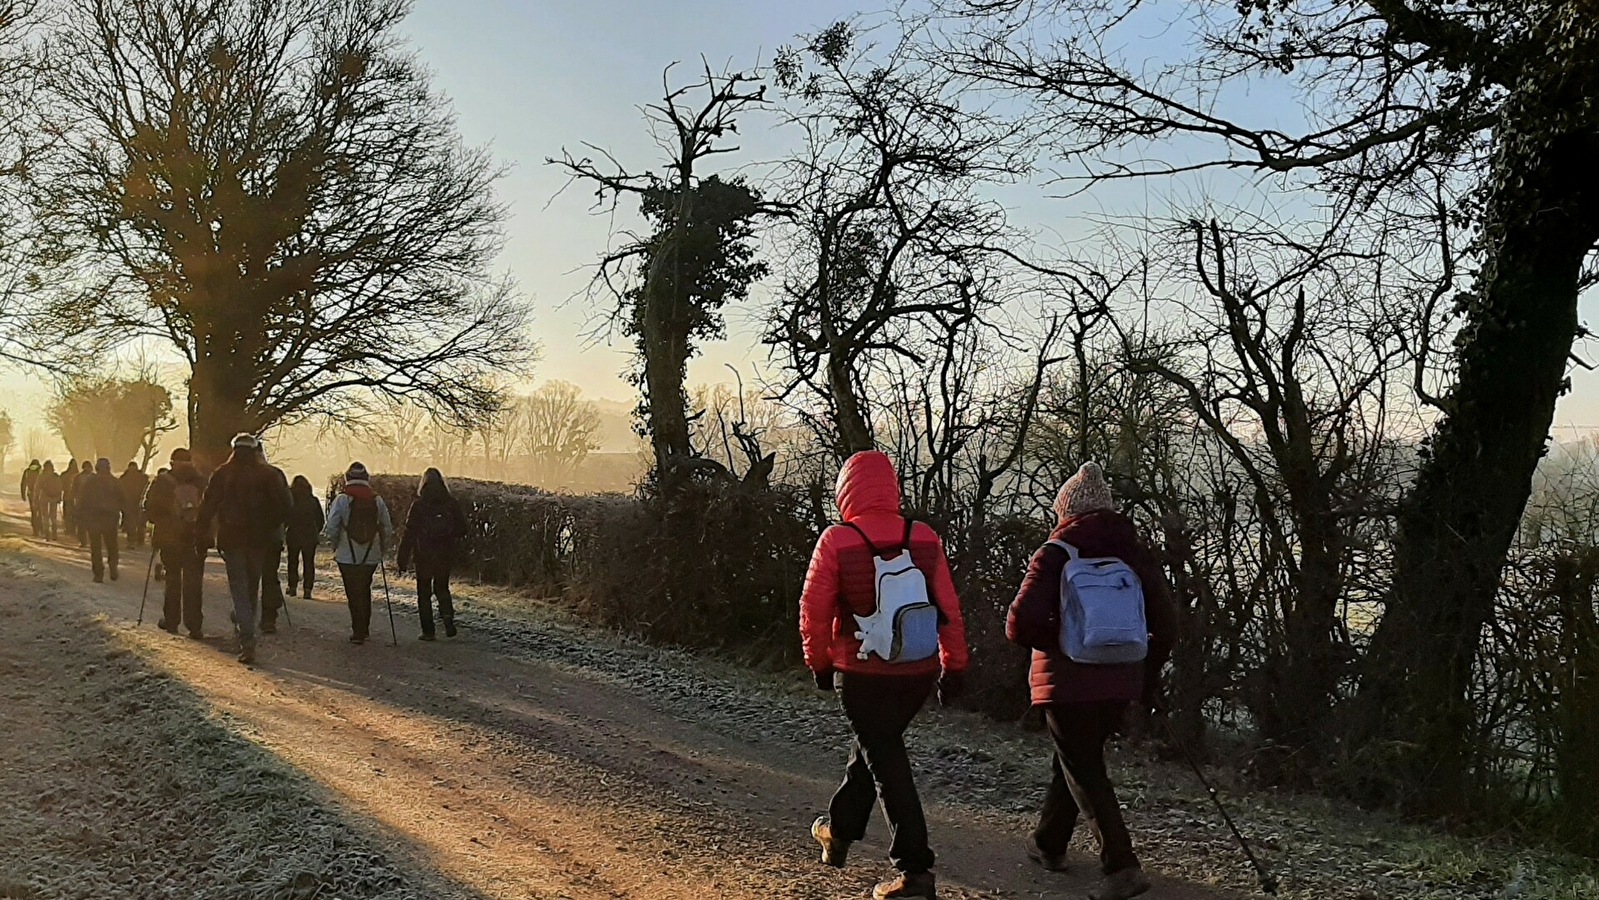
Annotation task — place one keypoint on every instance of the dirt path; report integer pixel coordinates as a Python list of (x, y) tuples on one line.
[(523, 760)]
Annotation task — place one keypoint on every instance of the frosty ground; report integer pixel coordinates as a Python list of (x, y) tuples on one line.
[(534, 758)]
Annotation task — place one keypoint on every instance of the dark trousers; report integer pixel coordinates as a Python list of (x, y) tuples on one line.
[(302, 558), (244, 566), (185, 573), (133, 524), (879, 709), (358, 594), (433, 580), (103, 542), (1081, 785), (271, 585)]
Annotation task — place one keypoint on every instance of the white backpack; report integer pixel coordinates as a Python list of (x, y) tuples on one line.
[(1101, 610), (904, 627)]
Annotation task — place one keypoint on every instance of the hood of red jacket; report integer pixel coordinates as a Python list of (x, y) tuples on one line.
[(867, 485), (360, 491)]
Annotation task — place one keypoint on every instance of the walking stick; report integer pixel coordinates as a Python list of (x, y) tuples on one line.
[(387, 599), (1268, 881), (285, 597), (147, 570)]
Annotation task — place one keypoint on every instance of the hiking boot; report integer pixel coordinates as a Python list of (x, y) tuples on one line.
[(1122, 885), (834, 851), (169, 629), (247, 655), (449, 628), (921, 884), (307, 594), (428, 636), (113, 574), (1052, 862), (196, 634), (357, 638), (98, 578), (269, 627)]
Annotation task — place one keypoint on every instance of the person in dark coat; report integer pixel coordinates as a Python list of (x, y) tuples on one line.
[(84, 472), (271, 587), (172, 505), (304, 530), (134, 483), (1084, 704), (434, 527), (30, 477), (69, 512), (99, 497), (246, 500), (47, 493)]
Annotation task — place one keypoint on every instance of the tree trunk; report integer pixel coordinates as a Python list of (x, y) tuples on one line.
[(219, 401), (1459, 517), (854, 435)]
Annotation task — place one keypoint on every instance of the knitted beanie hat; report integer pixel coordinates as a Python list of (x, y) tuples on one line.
[(181, 454), (1084, 492), (356, 474)]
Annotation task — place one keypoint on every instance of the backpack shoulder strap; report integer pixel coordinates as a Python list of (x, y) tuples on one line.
[(905, 543), (869, 545), (1070, 550)]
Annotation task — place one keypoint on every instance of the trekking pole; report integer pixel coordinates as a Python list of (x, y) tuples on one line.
[(387, 599), (1268, 881), (147, 570)]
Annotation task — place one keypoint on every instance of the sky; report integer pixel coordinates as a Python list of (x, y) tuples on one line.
[(529, 77)]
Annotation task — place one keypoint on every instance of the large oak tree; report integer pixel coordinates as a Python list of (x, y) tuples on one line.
[(273, 188)]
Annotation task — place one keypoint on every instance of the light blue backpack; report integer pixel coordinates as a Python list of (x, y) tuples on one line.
[(1101, 610)]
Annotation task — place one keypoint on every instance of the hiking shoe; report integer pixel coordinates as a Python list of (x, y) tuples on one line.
[(1052, 862), (834, 851), (196, 635), (169, 629), (247, 655), (920, 884), (428, 636), (307, 594), (98, 578), (269, 627), (113, 574), (357, 639), (449, 628), (1122, 885)]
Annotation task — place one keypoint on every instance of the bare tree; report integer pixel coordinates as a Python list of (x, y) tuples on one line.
[(558, 430), (671, 285), (121, 419), (1489, 98), (274, 189), (889, 238)]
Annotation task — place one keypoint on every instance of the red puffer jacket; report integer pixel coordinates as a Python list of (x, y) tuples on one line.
[(1034, 619), (841, 583)]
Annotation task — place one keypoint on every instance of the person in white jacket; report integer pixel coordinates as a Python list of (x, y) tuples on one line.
[(360, 530)]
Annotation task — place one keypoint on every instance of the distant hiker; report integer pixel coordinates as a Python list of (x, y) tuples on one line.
[(76, 502), (134, 483), (246, 501), (160, 570), (863, 583), (30, 477), (359, 528), (305, 528), (173, 506), (47, 493), (1117, 648), (100, 516), (434, 527), (69, 513), (271, 587)]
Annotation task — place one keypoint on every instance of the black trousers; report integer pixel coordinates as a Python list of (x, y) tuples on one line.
[(1081, 785), (271, 585), (185, 574), (358, 594), (879, 709), (103, 542), (433, 580), (302, 558)]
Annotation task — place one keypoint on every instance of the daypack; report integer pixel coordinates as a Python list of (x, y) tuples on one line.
[(186, 499), (362, 524), (904, 626), (436, 527), (1101, 610)]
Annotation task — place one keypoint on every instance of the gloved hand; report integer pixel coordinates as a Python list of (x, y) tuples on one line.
[(950, 686), (824, 680)]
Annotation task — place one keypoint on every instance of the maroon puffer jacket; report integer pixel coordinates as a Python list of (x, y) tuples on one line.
[(1034, 619), (842, 579)]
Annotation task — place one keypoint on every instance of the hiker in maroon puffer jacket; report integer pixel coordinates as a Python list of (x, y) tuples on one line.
[(880, 696), (1084, 703)]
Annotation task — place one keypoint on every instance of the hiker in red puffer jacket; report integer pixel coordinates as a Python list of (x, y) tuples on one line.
[(880, 696), (1084, 703)]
